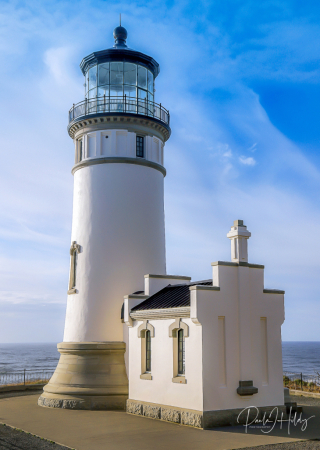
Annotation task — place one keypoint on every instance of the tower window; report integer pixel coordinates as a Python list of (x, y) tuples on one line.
[(148, 351), (181, 353), (74, 250), (80, 150), (140, 147), (74, 270)]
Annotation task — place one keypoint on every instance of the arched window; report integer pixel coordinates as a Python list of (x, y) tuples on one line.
[(148, 351), (146, 332), (74, 270), (181, 353), (179, 331), (74, 250)]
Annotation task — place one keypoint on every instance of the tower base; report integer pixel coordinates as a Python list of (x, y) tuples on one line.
[(89, 375)]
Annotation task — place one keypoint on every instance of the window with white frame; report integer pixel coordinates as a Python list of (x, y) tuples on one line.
[(178, 331), (146, 332)]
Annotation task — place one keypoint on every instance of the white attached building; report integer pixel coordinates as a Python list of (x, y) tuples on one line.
[(201, 352)]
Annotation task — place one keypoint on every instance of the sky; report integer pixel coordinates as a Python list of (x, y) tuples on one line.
[(241, 81)]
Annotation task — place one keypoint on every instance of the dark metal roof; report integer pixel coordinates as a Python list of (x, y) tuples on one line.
[(172, 296), (120, 54)]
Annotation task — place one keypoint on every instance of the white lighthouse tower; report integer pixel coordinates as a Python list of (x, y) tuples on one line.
[(118, 232)]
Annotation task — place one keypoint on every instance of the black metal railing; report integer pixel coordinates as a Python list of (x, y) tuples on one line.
[(302, 381), (123, 104), (24, 377)]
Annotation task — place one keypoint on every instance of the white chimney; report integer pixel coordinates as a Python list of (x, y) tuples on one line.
[(239, 241)]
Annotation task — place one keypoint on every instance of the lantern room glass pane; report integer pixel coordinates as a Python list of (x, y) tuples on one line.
[(150, 82), (142, 94), (93, 93), (150, 110), (103, 90), (130, 91), (116, 91), (130, 99), (93, 77), (103, 74), (142, 77), (130, 74), (116, 73)]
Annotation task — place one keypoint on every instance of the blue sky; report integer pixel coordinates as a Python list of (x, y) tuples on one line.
[(241, 81)]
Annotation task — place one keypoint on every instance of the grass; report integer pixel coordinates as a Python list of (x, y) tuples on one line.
[(308, 386), (28, 383)]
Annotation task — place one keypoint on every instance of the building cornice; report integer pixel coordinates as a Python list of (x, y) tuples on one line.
[(273, 291), (123, 54), (108, 119), (168, 277), (235, 264), (200, 287), (118, 160)]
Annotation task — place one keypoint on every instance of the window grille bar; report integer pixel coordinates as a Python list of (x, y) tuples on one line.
[(148, 351), (181, 353)]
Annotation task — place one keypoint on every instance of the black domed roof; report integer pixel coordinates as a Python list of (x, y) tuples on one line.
[(120, 52), (120, 35)]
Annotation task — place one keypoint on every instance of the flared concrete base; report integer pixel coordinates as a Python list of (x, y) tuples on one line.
[(89, 375)]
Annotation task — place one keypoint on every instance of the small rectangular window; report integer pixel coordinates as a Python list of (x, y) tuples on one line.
[(80, 150), (140, 147)]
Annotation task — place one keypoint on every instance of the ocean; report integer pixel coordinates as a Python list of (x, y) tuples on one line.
[(301, 357), (297, 357)]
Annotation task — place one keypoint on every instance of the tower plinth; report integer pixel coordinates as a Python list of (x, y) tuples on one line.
[(118, 232)]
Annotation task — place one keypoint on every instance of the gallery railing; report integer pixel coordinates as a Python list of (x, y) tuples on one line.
[(302, 381), (24, 377), (123, 104)]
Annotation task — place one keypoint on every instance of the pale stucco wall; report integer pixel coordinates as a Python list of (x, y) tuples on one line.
[(234, 334), (118, 142), (161, 389), (242, 304), (118, 220)]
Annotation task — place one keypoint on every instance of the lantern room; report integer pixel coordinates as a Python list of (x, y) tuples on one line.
[(119, 80)]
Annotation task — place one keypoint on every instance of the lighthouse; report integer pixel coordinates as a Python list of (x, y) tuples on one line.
[(197, 353), (118, 232)]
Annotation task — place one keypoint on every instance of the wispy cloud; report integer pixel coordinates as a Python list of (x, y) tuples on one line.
[(247, 161)]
